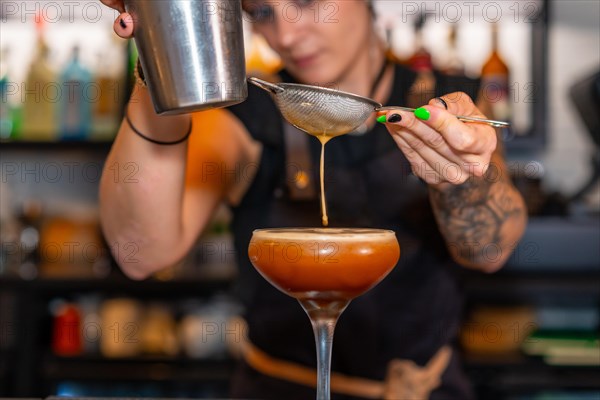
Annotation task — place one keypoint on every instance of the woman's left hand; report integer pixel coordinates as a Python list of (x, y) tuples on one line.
[(441, 149)]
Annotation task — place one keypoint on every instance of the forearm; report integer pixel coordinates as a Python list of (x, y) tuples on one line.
[(141, 190), (481, 220)]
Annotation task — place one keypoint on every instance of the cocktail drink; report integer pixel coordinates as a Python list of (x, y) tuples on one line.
[(324, 268)]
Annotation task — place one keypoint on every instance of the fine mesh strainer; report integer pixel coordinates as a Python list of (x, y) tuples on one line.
[(323, 111)]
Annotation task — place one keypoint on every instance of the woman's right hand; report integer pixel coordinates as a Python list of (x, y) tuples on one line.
[(123, 25)]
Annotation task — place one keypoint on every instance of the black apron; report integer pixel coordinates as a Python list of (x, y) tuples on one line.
[(410, 314)]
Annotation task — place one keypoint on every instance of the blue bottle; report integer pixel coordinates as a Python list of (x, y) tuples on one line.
[(77, 94), (6, 122)]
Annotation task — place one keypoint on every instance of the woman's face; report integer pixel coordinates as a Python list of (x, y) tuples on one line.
[(318, 41)]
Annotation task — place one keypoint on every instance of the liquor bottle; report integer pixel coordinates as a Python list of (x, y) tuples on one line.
[(390, 46), (66, 330), (76, 101), (424, 87), (451, 63), (106, 105), (420, 61), (495, 75), (40, 94), (6, 123)]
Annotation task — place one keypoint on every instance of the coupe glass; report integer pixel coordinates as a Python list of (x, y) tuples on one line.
[(324, 269)]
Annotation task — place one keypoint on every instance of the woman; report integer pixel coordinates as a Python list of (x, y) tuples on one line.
[(398, 338)]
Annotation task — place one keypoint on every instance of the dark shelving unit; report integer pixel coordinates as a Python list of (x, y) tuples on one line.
[(503, 377), (165, 369), (515, 375), (514, 287), (116, 285), (30, 369), (56, 145)]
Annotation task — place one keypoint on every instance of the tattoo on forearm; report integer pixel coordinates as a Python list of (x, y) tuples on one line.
[(473, 214)]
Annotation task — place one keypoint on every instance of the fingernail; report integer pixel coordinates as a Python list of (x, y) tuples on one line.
[(422, 113), (395, 118), (381, 119), (122, 23)]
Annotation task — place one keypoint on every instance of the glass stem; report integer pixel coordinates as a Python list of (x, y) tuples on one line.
[(323, 317)]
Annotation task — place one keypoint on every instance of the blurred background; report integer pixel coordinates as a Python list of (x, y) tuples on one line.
[(72, 324)]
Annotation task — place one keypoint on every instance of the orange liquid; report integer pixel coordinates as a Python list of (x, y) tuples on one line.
[(324, 263), (323, 137), (324, 218)]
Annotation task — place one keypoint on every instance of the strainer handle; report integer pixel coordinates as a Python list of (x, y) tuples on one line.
[(268, 86), (491, 122)]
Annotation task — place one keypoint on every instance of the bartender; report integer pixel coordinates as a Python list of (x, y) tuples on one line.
[(439, 183)]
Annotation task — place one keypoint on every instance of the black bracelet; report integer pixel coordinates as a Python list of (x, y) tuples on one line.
[(140, 134)]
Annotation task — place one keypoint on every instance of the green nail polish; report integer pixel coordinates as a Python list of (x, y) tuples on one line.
[(422, 113), (381, 119)]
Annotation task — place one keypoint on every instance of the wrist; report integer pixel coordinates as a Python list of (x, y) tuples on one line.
[(442, 186), (473, 191), (144, 121), (153, 140), (472, 182)]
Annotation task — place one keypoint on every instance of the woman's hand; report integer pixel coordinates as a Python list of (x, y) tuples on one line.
[(441, 149), (123, 25)]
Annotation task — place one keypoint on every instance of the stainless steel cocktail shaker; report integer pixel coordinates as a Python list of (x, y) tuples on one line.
[(191, 51)]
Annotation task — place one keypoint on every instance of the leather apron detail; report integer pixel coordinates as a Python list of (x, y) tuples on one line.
[(404, 378), (407, 380)]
